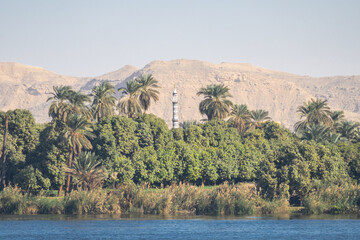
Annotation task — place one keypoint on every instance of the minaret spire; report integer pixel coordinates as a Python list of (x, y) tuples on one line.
[(175, 119)]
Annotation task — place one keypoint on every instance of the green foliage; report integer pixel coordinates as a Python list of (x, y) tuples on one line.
[(104, 101), (129, 103), (142, 150), (241, 118), (51, 154), (31, 179), (94, 202), (215, 105), (12, 201), (258, 117), (315, 111), (148, 85), (146, 166), (22, 140), (87, 171), (333, 199), (159, 129)]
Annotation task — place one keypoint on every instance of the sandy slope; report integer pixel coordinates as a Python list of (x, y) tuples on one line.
[(278, 92)]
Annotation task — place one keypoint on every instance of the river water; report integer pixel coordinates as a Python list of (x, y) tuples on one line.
[(155, 227)]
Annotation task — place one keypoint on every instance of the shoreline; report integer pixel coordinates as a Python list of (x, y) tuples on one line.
[(149, 217)]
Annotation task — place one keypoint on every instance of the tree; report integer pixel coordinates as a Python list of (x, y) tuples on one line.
[(77, 137), (77, 102), (87, 170), (347, 129), (19, 138), (3, 153), (336, 117), (186, 124), (315, 111), (147, 166), (148, 92), (60, 96), (104, 100), (315, 132), (129, 103), (241, 117), (258, 117), (29, 178), (215, 105), (334, 138)]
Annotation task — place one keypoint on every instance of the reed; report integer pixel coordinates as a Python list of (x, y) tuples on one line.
[(188, 199), (92, 202), (225, 199), (50, 205), (333, 199), (13, 201)]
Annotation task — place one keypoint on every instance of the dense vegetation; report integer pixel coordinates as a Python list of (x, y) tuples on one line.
[(321, 161)]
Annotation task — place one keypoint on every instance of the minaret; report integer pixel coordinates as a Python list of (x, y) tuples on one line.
[(175, 119)]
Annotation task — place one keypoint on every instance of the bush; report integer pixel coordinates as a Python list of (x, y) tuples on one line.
[(333, 199), (92, 202), (12, 201)]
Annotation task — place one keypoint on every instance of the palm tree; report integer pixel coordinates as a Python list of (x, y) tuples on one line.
[(129, 103), (241, 117), (356, 136), (337, 116), (259, 116), (348, 129), (334, 137), (77, 102), (87, 170), (104, 100), (215, 105), (148, 91), (59, 98), (316, 132), (77, 137), (315, 111)]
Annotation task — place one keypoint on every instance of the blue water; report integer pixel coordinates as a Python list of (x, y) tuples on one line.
[(193, 228)]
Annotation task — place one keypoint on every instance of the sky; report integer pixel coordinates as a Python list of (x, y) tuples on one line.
[(89, 38)]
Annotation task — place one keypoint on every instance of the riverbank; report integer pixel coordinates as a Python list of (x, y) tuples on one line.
[(184, 199)]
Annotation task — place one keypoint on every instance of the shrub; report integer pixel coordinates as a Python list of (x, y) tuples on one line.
[(92, 202)]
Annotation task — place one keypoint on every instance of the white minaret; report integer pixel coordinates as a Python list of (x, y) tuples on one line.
[(175, 119)]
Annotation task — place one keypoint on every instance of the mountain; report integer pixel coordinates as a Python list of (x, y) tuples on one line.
[(277, 92)]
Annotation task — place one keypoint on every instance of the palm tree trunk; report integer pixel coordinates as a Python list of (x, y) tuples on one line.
[(60, 191), (68, 176), (3, 167)]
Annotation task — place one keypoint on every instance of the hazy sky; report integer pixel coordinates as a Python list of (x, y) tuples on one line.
[(89, 38)]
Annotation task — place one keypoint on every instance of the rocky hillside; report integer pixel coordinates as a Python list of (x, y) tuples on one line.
[(278, 92)]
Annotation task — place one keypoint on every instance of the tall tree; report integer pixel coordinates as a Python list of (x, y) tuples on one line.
[(259, 116), (3, 163), (129, 103), (241, 117), (59, 105), (148, 85), (77, 137), (215, 105), (337, 116), (104, 100), (315, 111), (77, 102)]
